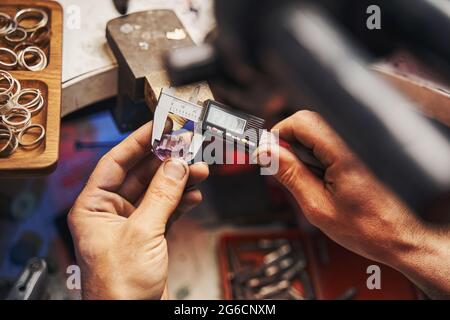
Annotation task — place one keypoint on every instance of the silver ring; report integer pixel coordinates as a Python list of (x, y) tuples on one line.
[(35, 104), (37, 140), (6, 103), (6, 133), (31, 12), (19, 47), (41, 65), (5, 21), (41, 37), (17, 126), (8, 26), (13, 143), (17, 86), (13, 83), (14, 40), (16, 115), (9, 78), (10, 65)]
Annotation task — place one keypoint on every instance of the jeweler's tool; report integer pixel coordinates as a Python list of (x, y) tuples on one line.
[(348, 294), (307, 157), (30, 284), (211, 120), (218, 120)]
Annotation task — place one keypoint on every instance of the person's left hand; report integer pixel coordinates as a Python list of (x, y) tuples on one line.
[(118, 222)]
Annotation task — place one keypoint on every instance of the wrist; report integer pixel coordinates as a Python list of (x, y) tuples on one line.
[(111, 288), (424, 260), (94, 288), (411, 241)]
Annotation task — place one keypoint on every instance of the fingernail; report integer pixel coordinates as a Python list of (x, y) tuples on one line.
[(268, 137), (203, 164), (264, 156), (174, 169)]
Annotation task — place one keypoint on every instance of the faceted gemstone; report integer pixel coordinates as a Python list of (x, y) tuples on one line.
[(174, 145)]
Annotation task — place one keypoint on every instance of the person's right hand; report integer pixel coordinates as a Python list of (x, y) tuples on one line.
[(355, 209)]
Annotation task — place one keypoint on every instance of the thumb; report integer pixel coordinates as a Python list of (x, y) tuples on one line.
[(293, 174), (164, 193)]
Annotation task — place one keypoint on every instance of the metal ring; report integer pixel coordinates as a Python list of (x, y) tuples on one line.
[(4, 99), (34, 105), (13, 144), (13, 84), (17, 86), (31, 12), (5, 130), (14, 40), (38, 139), (9, 26), (9, 78), (40, 37), (24, 44), (17, 112), (6, 105), (6, 19), (7, 65), (35, 50)]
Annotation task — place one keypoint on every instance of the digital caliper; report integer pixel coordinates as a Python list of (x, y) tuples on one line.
[(216, 120)]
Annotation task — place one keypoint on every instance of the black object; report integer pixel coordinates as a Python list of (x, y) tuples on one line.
[(121, 6), (27, 247), (307, 157), (235, 127), (320, 50), (245, 130), (349, 294)]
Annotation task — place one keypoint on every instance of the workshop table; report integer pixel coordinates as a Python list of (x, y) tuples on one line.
[(88, 64)]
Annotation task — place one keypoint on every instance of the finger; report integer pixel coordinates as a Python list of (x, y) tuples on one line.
[(164, 193), (293, 174), (105, 202), (114, 166), (139, 178), (198, 173), (311, 130), (188, 202)]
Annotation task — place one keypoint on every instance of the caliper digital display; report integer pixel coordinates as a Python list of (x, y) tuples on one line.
[(233, 126), (213, 120), (223, 119)]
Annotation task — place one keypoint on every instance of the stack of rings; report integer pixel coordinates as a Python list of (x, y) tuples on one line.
[(17, 107), (25, 43)]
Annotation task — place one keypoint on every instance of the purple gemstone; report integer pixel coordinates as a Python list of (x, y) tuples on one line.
[(175, 145)]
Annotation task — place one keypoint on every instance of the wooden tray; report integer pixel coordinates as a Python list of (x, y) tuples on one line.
[(43, 159)]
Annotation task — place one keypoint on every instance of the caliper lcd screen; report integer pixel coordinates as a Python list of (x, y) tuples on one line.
[(226, 120)]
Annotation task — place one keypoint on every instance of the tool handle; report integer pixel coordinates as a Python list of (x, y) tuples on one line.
[(306, 156), (31, 283)]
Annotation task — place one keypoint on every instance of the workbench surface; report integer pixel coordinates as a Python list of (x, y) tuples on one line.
[(88, 64)]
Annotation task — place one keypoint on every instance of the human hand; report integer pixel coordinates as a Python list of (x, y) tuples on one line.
[(118, 222), (355, 209)]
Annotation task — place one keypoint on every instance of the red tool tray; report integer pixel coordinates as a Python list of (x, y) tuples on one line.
[(331, 268)]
